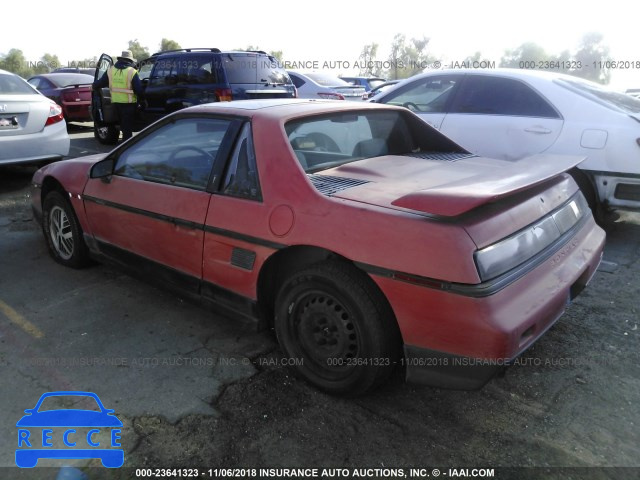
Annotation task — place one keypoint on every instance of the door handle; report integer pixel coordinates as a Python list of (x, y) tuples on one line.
[(537, 129)]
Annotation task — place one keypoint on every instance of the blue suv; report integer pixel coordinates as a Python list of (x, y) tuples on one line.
[(177, 79)]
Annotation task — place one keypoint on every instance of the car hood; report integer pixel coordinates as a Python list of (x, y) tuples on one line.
[(449, 186), (69, 418)]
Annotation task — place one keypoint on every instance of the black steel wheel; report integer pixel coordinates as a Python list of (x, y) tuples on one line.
[(63, 232), (337, 328)]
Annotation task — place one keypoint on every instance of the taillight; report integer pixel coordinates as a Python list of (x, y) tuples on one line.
[(223, 94), (331, 95), (55, 114)]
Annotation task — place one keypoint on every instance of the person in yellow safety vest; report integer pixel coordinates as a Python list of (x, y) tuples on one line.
[(125, 86)]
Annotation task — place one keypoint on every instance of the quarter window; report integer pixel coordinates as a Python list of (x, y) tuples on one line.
[(500, 96), (241, 179), (180, 153)]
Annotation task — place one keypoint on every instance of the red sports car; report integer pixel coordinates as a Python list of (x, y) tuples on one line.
[(366, 238)]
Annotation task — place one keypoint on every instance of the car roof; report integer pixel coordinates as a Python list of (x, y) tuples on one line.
[(283, 107)]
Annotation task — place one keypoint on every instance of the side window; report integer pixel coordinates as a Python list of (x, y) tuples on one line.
[(297, 81), (35, 82), (180, 153), (197, 70), (165, 72), (500, 96), (241, 179), (429, 94)]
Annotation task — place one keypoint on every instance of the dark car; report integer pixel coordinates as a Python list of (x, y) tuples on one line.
[(182, 78), (369, 83), (86, 71), (70, 90)]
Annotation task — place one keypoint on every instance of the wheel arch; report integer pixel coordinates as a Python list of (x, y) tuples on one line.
[(50, 184), (284, 263)]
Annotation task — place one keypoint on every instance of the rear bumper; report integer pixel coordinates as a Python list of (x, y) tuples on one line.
[(454, 340), (51, 143)]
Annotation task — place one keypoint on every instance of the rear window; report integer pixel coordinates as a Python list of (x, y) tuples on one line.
[(14, 85), (64, 80), (251, 68), (327, 80), (327, 141), (601, 95)]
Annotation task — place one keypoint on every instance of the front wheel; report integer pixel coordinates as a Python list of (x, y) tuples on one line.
[(106, 134), (338, 328), (62, 231)]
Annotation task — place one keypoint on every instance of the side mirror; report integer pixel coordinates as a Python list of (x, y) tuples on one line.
[(103, 169)]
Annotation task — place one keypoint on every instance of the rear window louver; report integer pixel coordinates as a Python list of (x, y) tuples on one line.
[(443, 157), (328, 185)]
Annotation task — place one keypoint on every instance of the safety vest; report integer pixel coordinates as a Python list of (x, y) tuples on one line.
[(120, 85)]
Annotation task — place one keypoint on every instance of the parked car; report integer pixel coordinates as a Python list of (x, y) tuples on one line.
[(32, 127), (85, 71), (366, 238), (70, 90), (324, 85), (634, 92), (383, 87), (181, 78), (369, 83), (510, 114)]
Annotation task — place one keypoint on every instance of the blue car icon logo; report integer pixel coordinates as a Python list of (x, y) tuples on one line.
[(69, 433)]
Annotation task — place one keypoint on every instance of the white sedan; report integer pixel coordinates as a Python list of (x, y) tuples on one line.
[(327, 86), (511, 114), (32, 127)]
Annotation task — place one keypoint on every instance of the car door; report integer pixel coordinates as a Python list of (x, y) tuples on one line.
[(428, 96), (149, 214), (236, 224), (160, 87), (101, 109), (501, 117)]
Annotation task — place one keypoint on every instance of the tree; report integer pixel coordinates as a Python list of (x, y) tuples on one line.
[(277, 54), (139, 52), (592, 56), (15, 62), (408, 58), (47, 64), (529, 53), (166, 44), (369, 65)]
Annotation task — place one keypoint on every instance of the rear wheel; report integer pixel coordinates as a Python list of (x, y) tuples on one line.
[(62, 231), (338, 328), (106, 134)]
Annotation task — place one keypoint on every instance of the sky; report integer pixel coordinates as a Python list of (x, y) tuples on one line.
[(325, 31)]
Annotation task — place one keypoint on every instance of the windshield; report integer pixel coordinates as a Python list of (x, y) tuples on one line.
[(327, 80), (604, 96), (14, 85)]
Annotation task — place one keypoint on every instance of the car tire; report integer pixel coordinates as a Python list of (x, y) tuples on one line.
[(337, 328), (62, 232), (106, 134)]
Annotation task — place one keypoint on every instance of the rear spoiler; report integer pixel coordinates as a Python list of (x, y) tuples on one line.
[(456, 198)]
